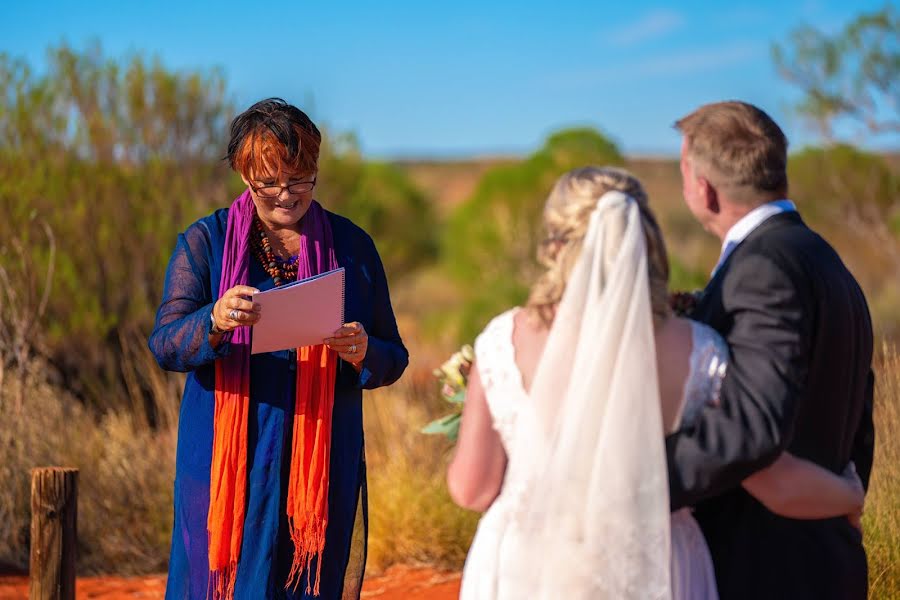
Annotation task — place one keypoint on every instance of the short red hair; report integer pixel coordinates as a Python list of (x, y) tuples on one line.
[(273, 137)]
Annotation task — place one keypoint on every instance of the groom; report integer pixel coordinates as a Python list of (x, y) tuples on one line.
[(800, 377)]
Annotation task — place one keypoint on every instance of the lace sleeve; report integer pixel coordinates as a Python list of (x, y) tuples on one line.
[(499, 377), (180, 338), (708, 365)]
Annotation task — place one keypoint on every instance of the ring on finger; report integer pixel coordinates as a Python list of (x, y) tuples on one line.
[(353, 349), (233, 314)]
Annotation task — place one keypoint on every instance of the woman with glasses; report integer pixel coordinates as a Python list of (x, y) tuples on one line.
[(270, 479)]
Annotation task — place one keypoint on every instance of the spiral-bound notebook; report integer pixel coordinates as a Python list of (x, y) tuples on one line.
[(302, 313)]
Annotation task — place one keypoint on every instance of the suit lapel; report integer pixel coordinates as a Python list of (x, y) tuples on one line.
[(710, 304)]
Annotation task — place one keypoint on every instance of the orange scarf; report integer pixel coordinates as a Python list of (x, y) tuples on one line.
[(307, 500)]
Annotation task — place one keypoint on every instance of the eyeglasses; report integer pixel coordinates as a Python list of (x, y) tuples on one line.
[(273, 191)]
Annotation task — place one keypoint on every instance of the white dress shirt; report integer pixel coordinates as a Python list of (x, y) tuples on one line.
[(748, 223)]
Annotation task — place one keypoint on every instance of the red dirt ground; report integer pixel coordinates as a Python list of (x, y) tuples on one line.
[(397, 583)]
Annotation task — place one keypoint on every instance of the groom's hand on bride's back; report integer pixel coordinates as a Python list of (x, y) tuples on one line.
[(852, 477)]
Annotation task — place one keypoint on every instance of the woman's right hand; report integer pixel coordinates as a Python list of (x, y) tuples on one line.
[(856, 486), (234, 309)]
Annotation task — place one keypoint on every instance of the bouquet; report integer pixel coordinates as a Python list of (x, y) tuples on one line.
[(452, 376)]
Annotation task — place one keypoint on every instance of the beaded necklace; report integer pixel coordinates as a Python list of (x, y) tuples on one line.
[(281, 270)]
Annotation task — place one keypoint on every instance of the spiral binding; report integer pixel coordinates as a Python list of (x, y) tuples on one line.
[(343, 293)]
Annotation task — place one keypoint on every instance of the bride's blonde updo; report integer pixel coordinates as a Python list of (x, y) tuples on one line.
[(566, 218)]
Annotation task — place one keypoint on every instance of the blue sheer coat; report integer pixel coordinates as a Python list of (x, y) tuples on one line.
[(180, 342)]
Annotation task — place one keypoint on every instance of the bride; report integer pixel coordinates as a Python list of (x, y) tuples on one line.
[(568, 402)]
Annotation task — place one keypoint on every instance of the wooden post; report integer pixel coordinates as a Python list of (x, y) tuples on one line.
[(54, 509)]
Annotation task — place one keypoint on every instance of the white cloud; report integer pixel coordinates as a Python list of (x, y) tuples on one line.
[(694, 61), (651, 25), (666, 65)]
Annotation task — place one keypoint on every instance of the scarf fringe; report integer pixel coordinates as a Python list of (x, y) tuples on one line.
[(308, 544), (222, 582)]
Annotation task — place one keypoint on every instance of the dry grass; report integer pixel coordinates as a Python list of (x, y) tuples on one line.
[(882, 514), (125, 480), (411, 516)]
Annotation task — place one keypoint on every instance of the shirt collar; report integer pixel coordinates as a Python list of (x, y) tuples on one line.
[(748, 224)]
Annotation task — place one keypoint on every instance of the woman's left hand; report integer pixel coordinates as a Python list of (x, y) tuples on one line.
[(351, 342)]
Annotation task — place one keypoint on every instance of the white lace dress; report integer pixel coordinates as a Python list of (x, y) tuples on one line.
[(692, 570)]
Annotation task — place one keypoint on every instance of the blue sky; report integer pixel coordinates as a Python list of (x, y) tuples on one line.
[(464, 78)]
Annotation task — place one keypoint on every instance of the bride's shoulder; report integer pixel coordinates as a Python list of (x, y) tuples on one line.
[(492, 349), (503, 320), (499, 327)]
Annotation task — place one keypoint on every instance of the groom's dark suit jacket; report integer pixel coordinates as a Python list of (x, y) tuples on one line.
[(799, 380)]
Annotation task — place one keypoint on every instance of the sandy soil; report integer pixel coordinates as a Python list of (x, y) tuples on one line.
[(397, 583)]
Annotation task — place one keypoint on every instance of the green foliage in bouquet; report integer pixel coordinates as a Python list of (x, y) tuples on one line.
[(453, 376)]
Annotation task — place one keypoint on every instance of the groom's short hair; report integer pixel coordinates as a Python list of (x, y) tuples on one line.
[(740, 147)]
